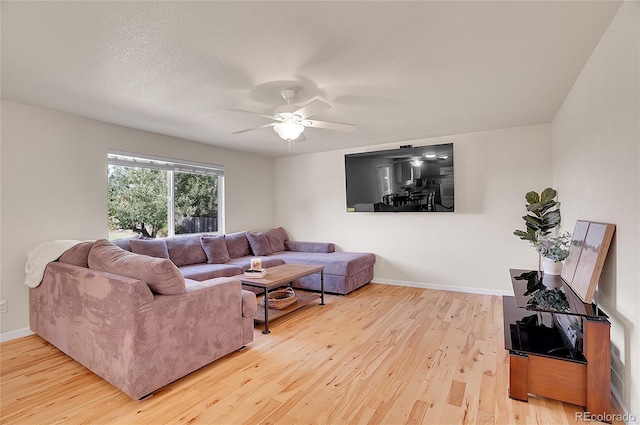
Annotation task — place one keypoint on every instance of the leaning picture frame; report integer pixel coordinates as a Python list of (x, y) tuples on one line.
[(575, 248), (587, 253)]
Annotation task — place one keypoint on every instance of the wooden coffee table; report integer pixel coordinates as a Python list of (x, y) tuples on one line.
[(280, 276)]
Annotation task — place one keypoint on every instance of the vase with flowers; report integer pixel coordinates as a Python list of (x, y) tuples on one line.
[(553, 251)]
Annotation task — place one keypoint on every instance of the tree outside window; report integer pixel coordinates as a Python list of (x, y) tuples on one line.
[(196, 203)]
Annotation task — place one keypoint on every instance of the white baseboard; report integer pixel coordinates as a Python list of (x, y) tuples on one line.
[(440, 287), (8, 336)]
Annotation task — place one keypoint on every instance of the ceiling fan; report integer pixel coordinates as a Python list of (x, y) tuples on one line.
[(291, 120)]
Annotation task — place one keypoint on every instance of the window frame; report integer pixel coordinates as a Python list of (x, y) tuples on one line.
[(170, 165)]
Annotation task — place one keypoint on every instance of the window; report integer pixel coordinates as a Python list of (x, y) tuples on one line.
[(158, 197), (383, 179)]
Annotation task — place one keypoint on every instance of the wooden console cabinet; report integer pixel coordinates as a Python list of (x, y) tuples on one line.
[(543, 360)]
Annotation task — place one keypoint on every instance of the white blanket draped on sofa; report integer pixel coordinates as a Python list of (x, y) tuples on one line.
[(41, 255)]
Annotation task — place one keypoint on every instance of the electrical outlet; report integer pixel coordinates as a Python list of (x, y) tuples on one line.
[(3, 306)]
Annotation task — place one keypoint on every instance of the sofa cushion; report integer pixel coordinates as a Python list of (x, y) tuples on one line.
[(184, 250), (237, 244), (303, 246), (277, 238), (77, 255), (151, 247), (245, 262), (205, 271), (161, 275), (335, 263), (259, 243), (124, 243), (335, 284), (215, 248)]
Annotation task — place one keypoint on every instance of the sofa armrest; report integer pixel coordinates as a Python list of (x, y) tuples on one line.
[(71, 297), (70, 293), (90, 316), (177, 334), (301, 246), (249, 304)]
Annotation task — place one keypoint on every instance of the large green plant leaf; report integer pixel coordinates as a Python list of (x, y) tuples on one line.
[(535, 208), (547, 205), (526, 236), (550, 220), (532, 197), (533, 221), (547, 195)]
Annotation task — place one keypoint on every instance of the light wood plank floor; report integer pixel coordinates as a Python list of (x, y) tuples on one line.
[(381, 355)]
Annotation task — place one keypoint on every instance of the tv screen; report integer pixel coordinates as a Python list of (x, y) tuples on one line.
[(407, 179)]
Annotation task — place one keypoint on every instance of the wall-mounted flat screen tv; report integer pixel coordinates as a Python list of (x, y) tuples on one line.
[(407, 179)]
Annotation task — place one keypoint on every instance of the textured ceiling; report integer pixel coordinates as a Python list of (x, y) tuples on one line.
[(399, 71)]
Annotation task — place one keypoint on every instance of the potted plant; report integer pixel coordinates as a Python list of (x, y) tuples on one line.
[(544, 216), (553, 251)]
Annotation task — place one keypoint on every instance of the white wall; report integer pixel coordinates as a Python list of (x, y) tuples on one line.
[(471, 248), (596, 157), (54, 186)]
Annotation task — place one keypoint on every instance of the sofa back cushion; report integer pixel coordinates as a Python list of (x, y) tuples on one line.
[(185, 250), (215, 248), (161, 275), (237, 244), (124, 243), (151, 247), (77, 255), (259, 243), (277, 237)]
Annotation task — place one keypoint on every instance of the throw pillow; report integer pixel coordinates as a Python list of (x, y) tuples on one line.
[(185, 250), (77, 255), (237, 244), (151, 247), (259, 243), (162, 276), (216, 249), (277, 238)]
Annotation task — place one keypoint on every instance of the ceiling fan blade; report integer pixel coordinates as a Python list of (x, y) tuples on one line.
[(251, 112), (312, 108), (255, 128), (329, 125)]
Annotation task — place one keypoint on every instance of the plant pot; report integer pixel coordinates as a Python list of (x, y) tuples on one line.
[(551, 267)]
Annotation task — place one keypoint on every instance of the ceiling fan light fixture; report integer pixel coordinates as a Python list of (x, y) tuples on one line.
[(416, 162), (291, 120), (288, 130)]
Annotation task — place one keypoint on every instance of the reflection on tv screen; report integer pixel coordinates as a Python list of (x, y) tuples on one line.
[(407, 179)]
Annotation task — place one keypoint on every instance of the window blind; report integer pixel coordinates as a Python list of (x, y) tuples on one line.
[(157, 163)]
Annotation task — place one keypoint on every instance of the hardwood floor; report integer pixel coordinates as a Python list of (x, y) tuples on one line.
[(381, 355)]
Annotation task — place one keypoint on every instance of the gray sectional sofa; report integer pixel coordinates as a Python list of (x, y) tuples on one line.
[(202, 257), (144, 313)]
